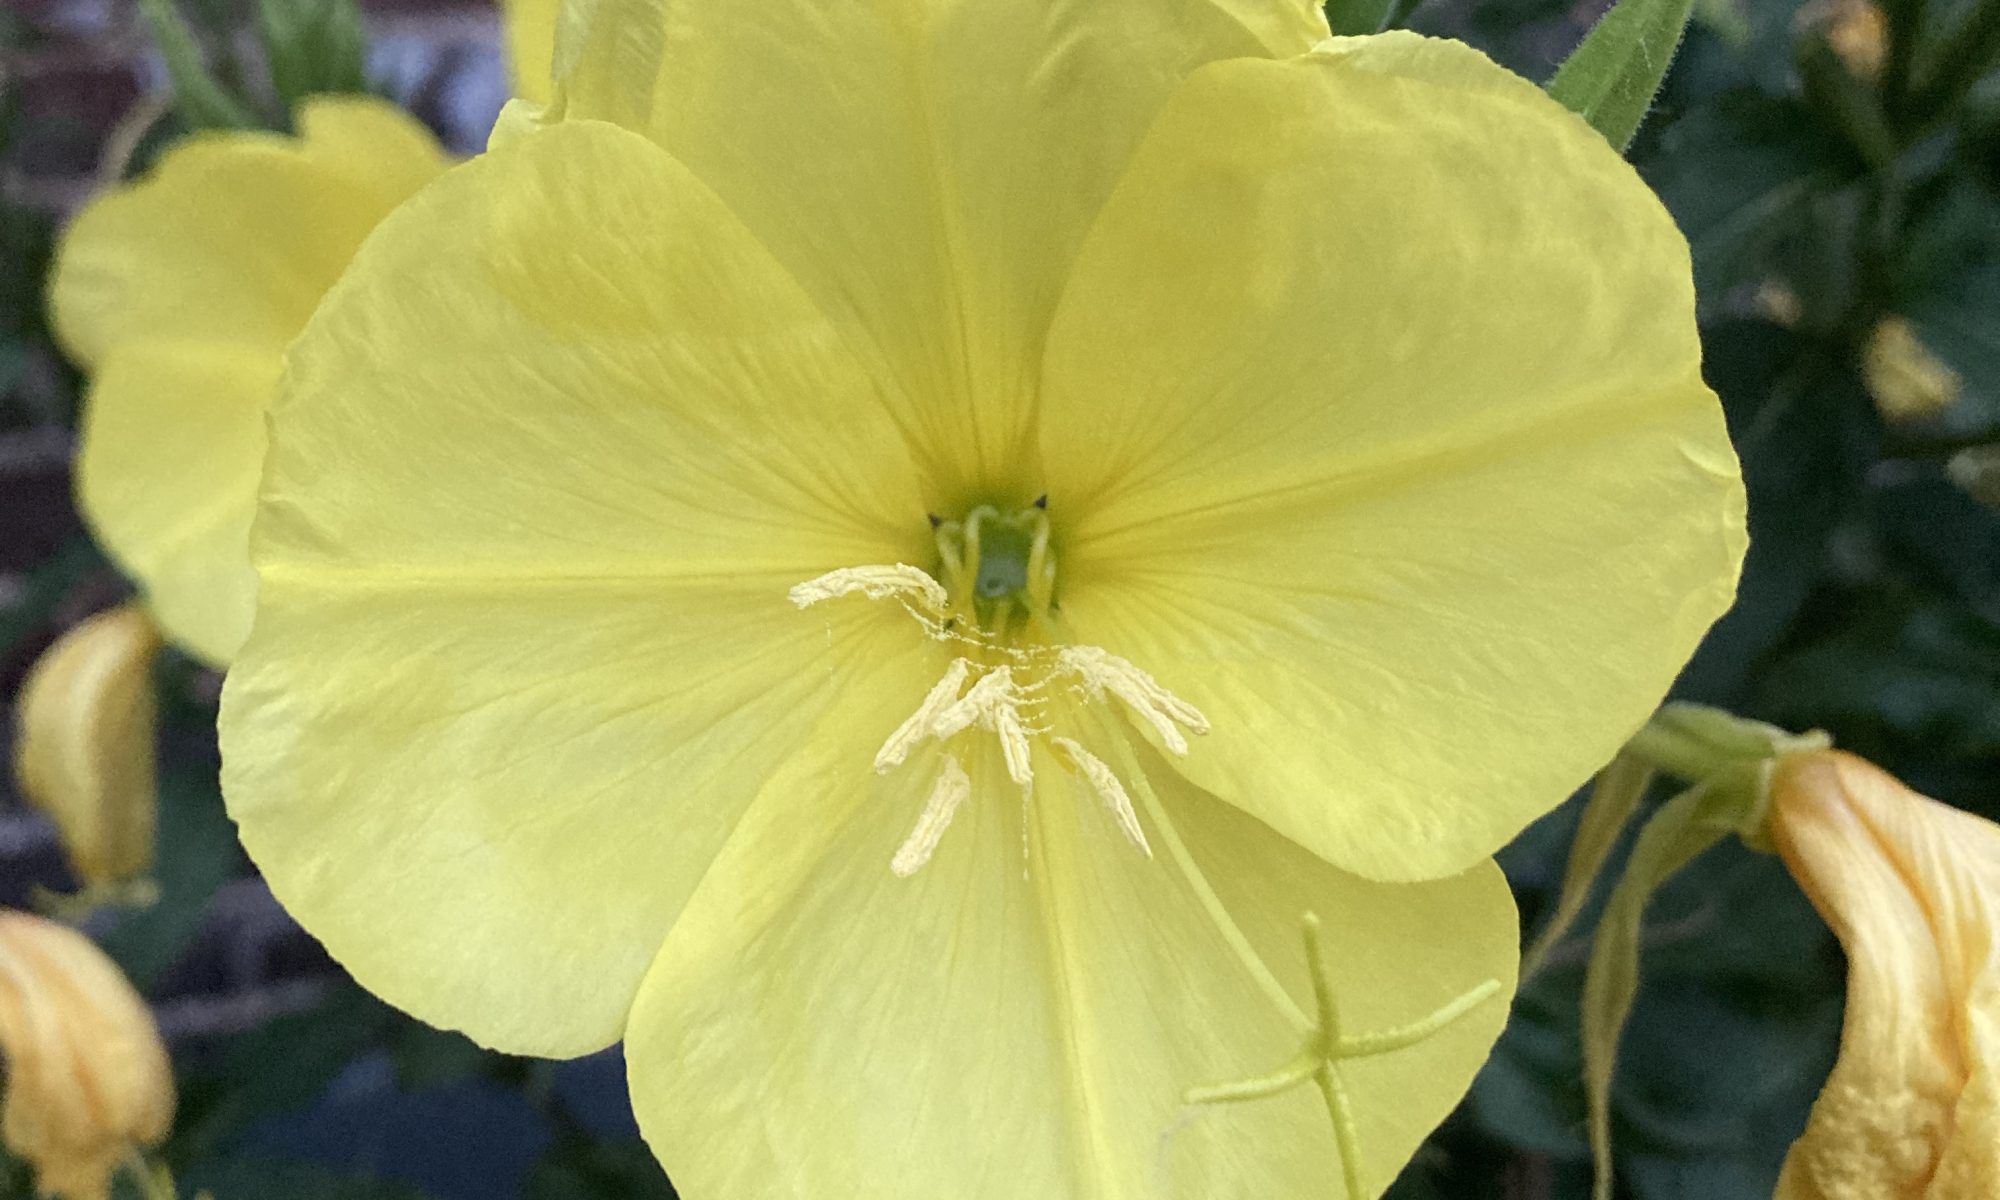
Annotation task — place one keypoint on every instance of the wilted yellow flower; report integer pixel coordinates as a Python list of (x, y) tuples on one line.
[(1906, 379), (1912, 889), (178, 294), (84, 730), (888, 554), (85, 1074)]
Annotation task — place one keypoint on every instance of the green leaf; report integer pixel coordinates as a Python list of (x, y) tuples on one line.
[(581, 1168), (1613, 76), (1847, 103), (1351, 17), (1737, 174), (269, 1179), (279, 1067), (313, 46), (199, 97)]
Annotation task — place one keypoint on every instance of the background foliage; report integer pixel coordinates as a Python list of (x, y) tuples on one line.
[(1833, 163)]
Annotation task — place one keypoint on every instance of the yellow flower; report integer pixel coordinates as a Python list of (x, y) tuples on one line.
[(1912, 889), (84, 743), (888, 554), (178, 294), (86, 1077)]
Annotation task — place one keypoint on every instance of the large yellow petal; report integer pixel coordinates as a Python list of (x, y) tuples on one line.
[(490, 800), (234, 237), (173, 436), (926, 168), (542, 471), (1023, 1016), (1373, 427), (179, 293)]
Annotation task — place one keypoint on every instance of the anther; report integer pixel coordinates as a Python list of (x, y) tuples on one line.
[(876, 583), (993, 703), (922, 722), (1103, 671), (1108, 786), (952, 789)]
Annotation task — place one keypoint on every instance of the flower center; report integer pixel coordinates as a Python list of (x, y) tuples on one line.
[(996, 566), (1014, 677)]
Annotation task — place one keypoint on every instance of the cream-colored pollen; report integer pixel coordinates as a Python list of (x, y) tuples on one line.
[(952, 788), (1109, 787), (994, 703), (1006, 689), (897, 580), (923, 722), (1101, 671)]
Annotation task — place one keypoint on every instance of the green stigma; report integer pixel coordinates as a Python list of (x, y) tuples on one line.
[(996, 563)]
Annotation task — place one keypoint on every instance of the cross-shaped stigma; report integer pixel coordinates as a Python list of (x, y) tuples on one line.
[(1326, 1047)]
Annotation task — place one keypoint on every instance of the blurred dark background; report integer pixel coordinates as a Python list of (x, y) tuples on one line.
[(1836, 167)]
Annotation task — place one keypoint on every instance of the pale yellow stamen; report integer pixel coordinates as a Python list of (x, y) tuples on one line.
[(1007, 689), (898, 580), (1108, 786), (953, 788), (993, 703), (923, 722), (1102, 671)]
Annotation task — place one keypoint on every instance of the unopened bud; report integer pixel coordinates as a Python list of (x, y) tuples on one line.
[(84, 743)]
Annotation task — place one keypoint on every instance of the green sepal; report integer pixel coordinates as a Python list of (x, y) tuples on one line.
[(1685, 826), (1613, 799), (199, 97), (314, 47), (1612, 77)]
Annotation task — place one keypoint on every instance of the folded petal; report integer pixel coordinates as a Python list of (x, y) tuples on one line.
[(87, 1079), (543, 469), (925, 169), (1375, 398), (1909, 885), (1024, 1014), (235, 236)]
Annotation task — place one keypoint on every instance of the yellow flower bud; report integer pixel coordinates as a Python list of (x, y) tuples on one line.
[(1906, 379), (84, 742), (1912, 889), (87, 1080)]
